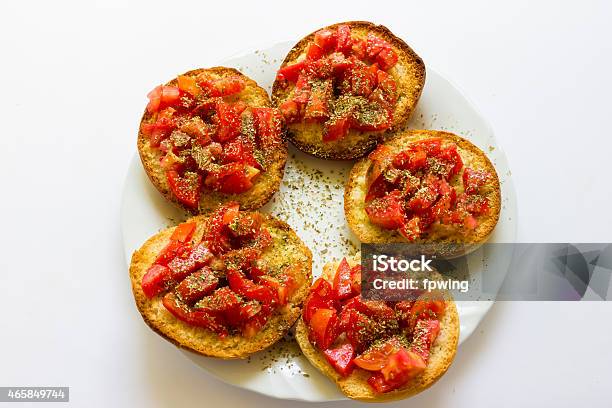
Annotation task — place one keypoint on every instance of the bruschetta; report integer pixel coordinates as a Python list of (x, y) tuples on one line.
[(343, 87), (224, 285), (211, 136), (425, 187), (375, 350)]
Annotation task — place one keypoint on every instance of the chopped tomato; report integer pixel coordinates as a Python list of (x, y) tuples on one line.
[(411, 159), (376, 309), (386, 59), (341, 358), (473, 180), (198, 317), (186, 188), (189, 261), (240, 149), (197, 285), (183, 232), (356, 279), (249, 289), (257, 322), (336, 128), (320, 297), (155, 280), (314, 52), (360, 329), (426, 195), (229, 121), (281, 287), (374, 45), (222, 86), (169, 252), (411, 229), (326, 39), (188, 84), (291, 111), (232, 178), (154, 99), (359, 48), (373, 117), (223, 302), (401, 367), (323, 328), (316, 108), (342, 281), (378, 189), (170, 95), (343, 38), (427, 306), (339, 63), (376, 358), (425, 333), (362, 79), (268, 122), (451, 156), (301, 94), (388, 211), (291, 72)]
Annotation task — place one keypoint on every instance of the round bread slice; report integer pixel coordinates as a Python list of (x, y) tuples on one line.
[(409, 76), (444, 240), (355, 385), (286, 249), (265, 185)]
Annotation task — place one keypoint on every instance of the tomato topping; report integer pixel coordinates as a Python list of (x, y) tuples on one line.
[(320, 297), (323, 325), (283, 287), (341, 358), (291, 72), (197, 285), (186, 188), (427, 306), (291, 111), (356, 279), (336, 129), (386, 59), (326, 39), (425, 333), (314, 52), (198, 317), (342, 281), (343, 38), (359, 328), (374, 45), (221, 86), (169, 252), (154, 99), (388, 211), (188, 84), (183, 232), (375, 358), (249, 289), (155, 280), (473, 180), (400, 368), (188, 261)]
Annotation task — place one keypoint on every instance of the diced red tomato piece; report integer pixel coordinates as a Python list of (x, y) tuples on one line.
[(229, 121), (317, 107), (425, 333), (249, 289), (473, 180), (198, 317), (376, 358), (336, 128), (339, 63), (155, 280), (343, 38), (376, 309), (232, 178), (291, 72), (388, 211), (197, 285), (450, 155), (323, 328), (314, 52), (342, 281), (360, 329), (427, 306), (268, 122), (412, 159), (223, 302), (281, 288), (188, 84), (473, 204), (375, 45), (320, 297), (356, 279), (187, 262), (378, 189), (401, 367), (186, 188), (376, 117), (301, 94), (183, 232), (170, 95), (411, 229), (257, 322), (362, 79), (170, 251), (154, 99), (386, 59), (341, 358), (426, 195), (291, 111), (359, 48), (221, 86), (326, 39)]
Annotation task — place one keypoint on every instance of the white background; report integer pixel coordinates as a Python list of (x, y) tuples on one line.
[(74, 79)]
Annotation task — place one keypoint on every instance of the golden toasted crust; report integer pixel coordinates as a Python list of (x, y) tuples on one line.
[(355, 386), (408, 73), (286, 248), (445, 238), (265, 185)]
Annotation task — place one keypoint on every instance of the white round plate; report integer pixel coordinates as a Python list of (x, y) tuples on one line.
[(311, 201)]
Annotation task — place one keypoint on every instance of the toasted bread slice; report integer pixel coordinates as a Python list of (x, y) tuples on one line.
[(287, 248), (355, 385), (266, 184), (445, 238), (408, 73)]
